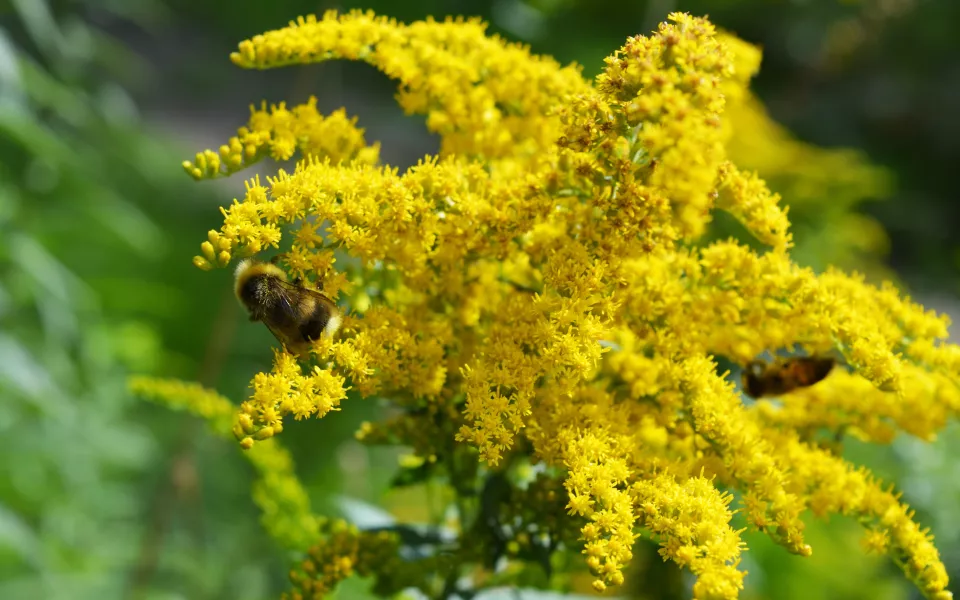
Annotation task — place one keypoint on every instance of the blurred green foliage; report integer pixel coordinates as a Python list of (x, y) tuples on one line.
[(103, 496)]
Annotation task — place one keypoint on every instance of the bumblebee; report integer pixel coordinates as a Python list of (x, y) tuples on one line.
[(762, 379), (294, 314)]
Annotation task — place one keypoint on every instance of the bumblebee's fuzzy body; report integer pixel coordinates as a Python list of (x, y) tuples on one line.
[(294, 314), (760, 379)]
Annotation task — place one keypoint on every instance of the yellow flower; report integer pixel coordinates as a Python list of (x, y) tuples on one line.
[(541, 291), (693, 522), (483, 96), (287, 391), (280, 132), (747, 198), (832, 485)]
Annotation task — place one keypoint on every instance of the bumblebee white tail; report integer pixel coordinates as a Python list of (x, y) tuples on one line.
[(333, 324)]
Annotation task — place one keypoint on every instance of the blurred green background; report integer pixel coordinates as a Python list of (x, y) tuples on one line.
[(106, 496)]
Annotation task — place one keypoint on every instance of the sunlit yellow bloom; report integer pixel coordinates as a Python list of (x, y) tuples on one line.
[(746, 197), (831, 485), (692, 520), (280, 132), (541, 292), (483, 96), (287, 391)]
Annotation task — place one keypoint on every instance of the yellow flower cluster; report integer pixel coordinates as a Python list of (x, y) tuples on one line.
[(830, 485), (484, 97), (540, 287), (286, 391), (692, 519), (281, 132)]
